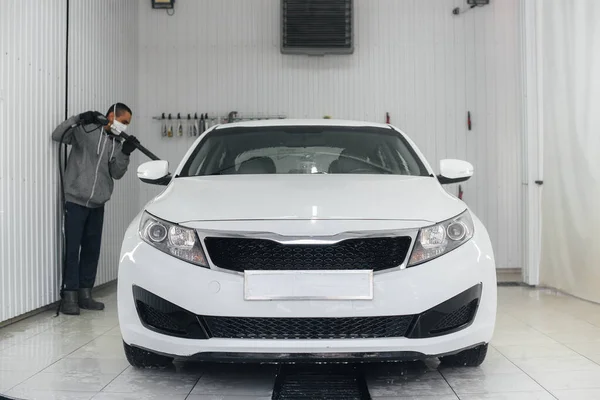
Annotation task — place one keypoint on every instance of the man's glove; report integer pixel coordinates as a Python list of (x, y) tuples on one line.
[(87, 117), (93, 117), (129, 145)]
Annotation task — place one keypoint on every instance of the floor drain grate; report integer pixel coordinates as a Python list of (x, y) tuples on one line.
[(320, 382)]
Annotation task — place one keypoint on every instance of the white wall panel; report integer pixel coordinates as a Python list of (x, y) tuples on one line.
[(103, 42), (32, 103), (32, 93), (413, 59)]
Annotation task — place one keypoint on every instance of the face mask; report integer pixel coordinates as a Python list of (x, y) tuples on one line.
[(118, 127)]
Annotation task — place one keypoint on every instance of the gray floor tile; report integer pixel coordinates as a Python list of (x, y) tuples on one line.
[(532, 337), (585, 336), (116, 331), (577, 394), (239, 385), (23, 363), (585, 348), (444, 397), (410, 386), (496, 383), (138, 396), (540, 395), (536, 351), (10, 379), (72, 381), (225, 397), (151, 383), (77, 329), (103, 347), (90, 365), (562, 380), (573, 363), (29, 394), (593, 357)]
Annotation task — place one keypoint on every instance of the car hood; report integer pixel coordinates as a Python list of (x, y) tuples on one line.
[(305, 197)]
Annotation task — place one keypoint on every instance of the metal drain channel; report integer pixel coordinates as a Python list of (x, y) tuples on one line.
[(331, 382)]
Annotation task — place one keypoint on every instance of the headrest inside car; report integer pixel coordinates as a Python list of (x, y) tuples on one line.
[(258, 165)]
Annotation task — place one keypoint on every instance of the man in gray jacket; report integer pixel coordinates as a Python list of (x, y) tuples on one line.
[(96, 158)]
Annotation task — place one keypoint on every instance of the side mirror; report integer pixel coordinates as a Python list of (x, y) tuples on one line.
[(154, 172), (454, 171)]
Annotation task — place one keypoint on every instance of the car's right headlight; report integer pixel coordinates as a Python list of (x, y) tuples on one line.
[(441, 238), (178, 241)]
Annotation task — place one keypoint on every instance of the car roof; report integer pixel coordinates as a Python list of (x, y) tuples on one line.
[(303, 122)]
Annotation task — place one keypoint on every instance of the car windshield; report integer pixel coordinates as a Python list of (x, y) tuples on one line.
[(303, 150)]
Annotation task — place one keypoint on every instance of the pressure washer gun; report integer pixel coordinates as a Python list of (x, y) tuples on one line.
[(125, 136)]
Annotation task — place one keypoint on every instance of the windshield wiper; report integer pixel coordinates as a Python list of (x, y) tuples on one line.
[(223, 169)]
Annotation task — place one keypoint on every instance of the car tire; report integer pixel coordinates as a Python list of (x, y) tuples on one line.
[(139, 358), (467, 358)]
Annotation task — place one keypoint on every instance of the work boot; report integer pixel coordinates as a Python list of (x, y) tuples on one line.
[(69, 305), (86, 302)]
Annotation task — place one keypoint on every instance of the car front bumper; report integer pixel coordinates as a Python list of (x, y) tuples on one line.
[(425, 293)]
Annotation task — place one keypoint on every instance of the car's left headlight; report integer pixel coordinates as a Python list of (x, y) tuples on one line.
[(441, 238), (178, 241)]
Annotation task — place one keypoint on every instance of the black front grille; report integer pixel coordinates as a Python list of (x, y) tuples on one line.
[(238, 254), (457, 318), (308, 328)]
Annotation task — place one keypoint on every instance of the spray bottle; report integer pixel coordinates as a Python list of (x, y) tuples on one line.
[(196, 123), (179, 125), (163, 129), (170, 131)]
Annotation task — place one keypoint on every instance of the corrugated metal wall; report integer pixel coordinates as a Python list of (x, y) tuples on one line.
[(413, 59), (32, 103), (103, 67), (32, 98)]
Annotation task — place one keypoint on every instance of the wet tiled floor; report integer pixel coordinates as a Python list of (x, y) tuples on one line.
[(546, 346)]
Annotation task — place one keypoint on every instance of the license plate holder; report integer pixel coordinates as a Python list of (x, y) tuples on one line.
[(308, 285)]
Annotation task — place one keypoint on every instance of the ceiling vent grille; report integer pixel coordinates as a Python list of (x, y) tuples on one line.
[(317, 27)]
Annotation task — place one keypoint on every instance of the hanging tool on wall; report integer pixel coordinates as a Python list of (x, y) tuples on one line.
[(473, 4), (170, 131), (195, 127), (163, 128), (190, 126), (460, 192), (387, 117), (179, 125), (469, 120), (206, 123), (202, 124)]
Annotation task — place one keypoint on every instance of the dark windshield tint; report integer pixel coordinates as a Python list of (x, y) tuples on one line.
[(303, 150)]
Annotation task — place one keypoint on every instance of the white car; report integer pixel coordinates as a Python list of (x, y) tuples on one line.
[(306, 240)]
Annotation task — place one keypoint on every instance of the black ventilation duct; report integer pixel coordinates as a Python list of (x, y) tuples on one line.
[(317, 27)]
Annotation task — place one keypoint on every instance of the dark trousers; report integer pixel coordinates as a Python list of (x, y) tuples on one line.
[(83, 229)]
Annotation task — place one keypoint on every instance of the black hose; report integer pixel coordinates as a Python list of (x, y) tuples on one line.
[(64, 215)]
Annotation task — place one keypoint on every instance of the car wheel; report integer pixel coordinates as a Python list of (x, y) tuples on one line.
[(467, 358), (139, 358)]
